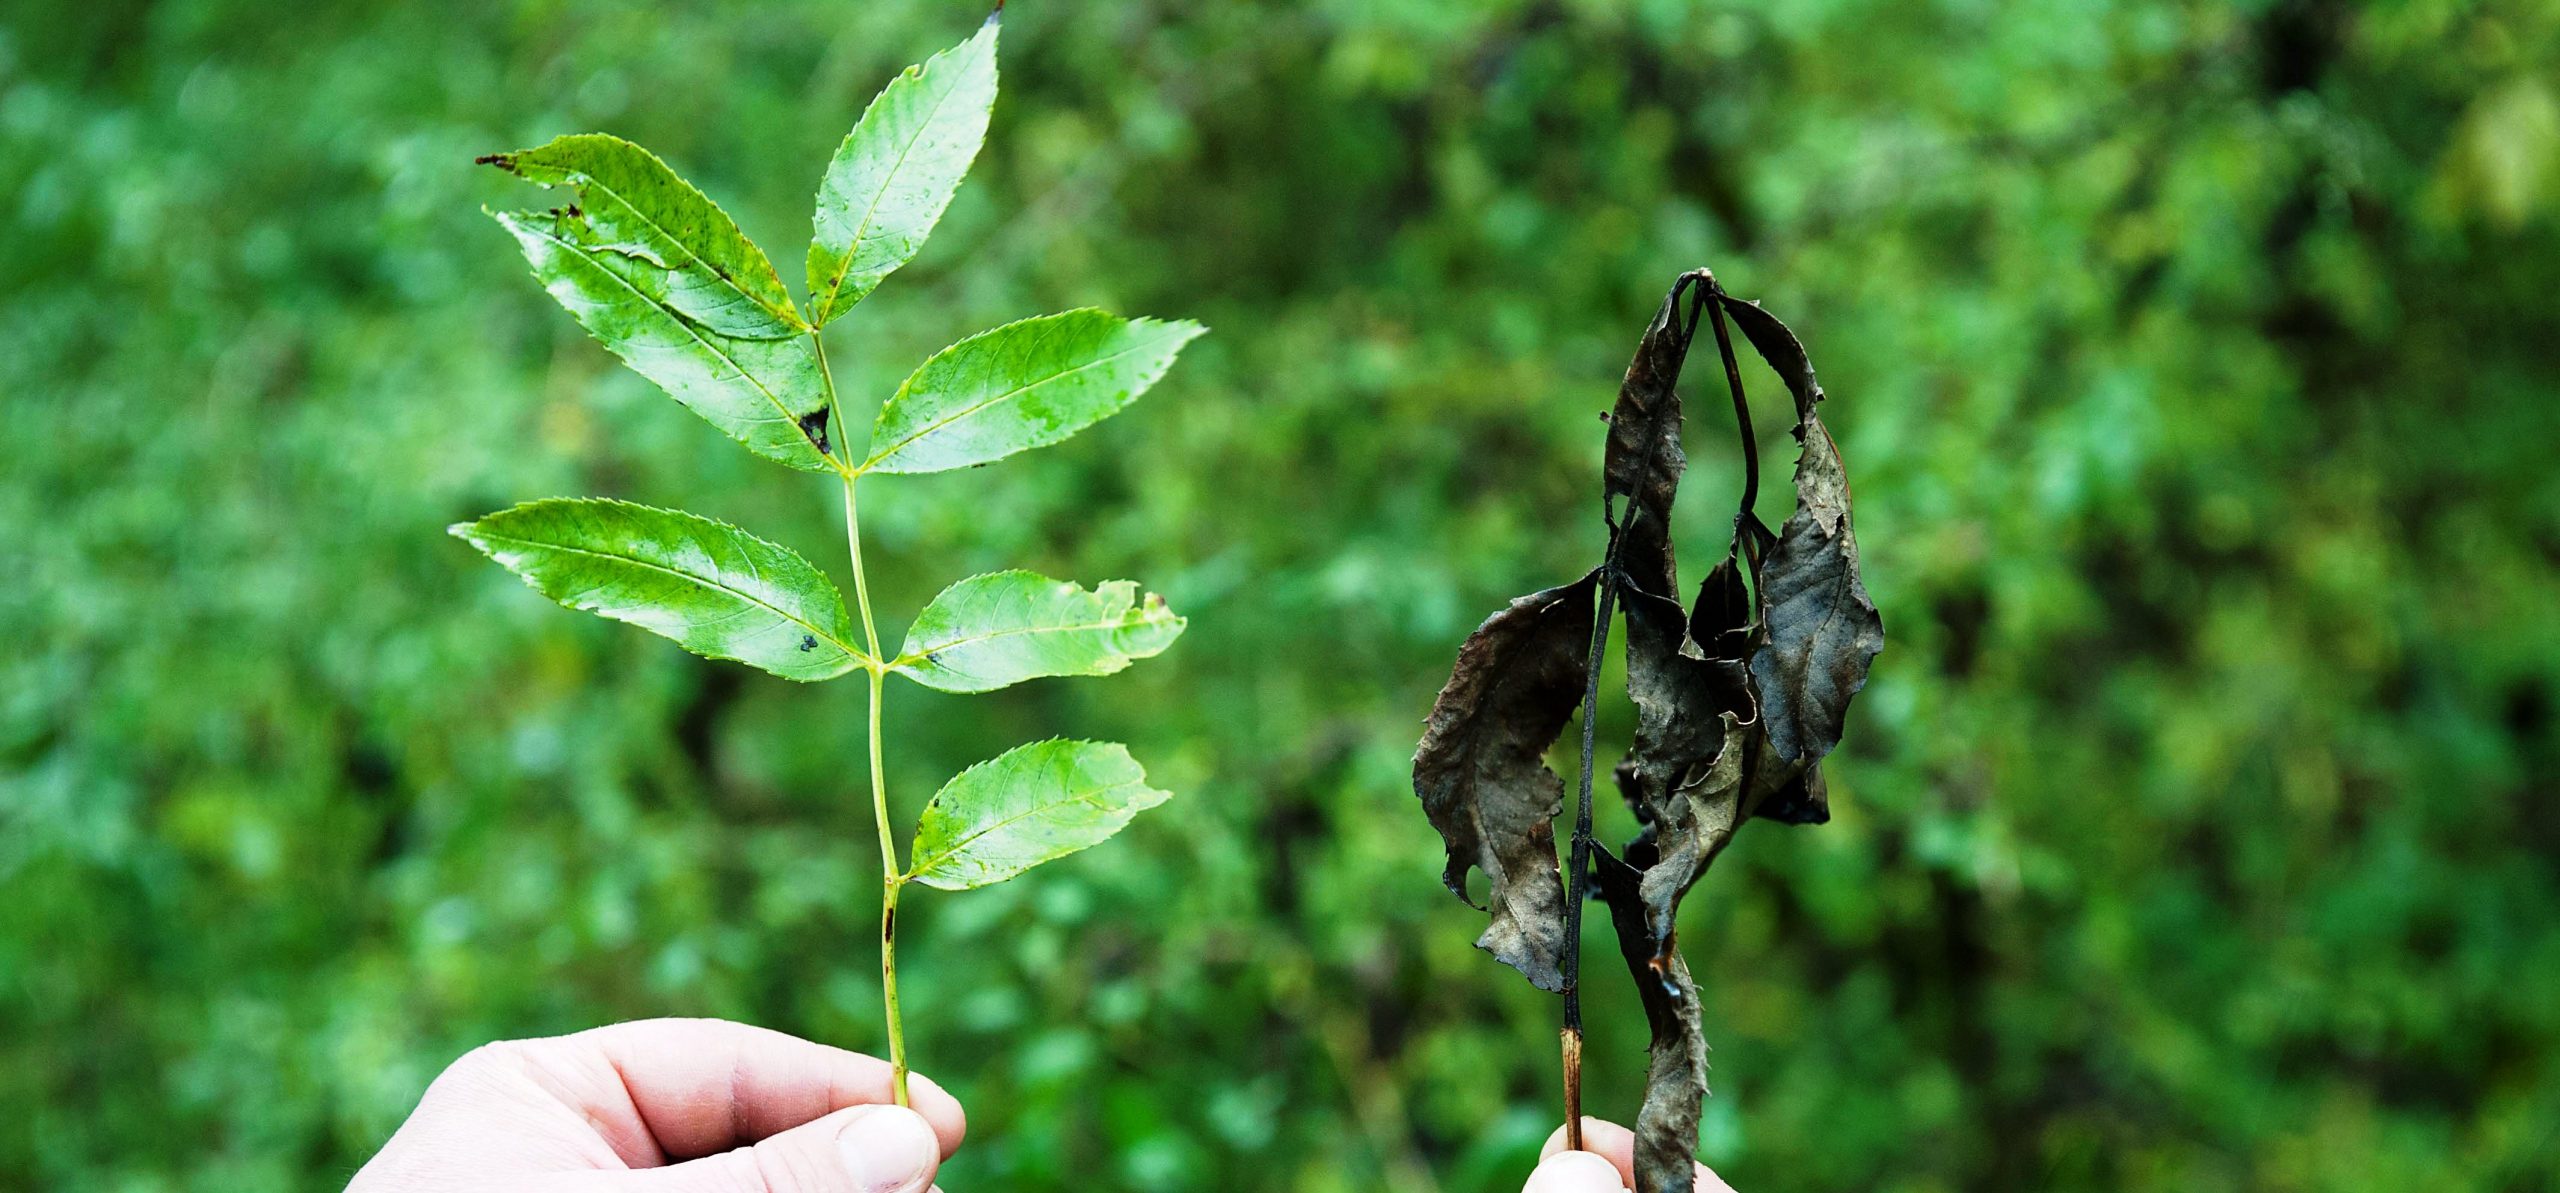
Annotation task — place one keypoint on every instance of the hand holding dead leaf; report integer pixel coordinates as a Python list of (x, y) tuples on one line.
[(1738, 697)]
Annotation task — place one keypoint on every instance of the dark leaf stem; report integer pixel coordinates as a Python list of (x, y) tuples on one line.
[(1741, 415), (1580, 863)]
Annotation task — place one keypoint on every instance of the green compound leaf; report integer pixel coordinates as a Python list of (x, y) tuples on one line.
[(993, 631), (897, 170), (767, 394), (1033, 804), (1020, 386), (713, 588), (670, 240)]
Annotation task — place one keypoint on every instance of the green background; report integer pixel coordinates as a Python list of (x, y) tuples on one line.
[(2196, 366)]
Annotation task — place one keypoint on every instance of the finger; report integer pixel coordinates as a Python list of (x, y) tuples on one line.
[(866, 1149), (1617, 1145), (701, 1086), (1605, 1139), (1574, 1172)]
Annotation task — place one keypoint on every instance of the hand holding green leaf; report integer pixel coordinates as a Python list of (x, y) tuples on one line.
[(657, 273)]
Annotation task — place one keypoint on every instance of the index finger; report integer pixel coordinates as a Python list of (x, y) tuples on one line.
[(700, 1086)]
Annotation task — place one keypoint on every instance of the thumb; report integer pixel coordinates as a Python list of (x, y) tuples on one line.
[(1575, 1172), (862, 1149)]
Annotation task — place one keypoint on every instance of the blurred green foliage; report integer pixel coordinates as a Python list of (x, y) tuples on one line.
[(2196, 365)]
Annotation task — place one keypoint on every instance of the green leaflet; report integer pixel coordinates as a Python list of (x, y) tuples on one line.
[(992, 631), (1033, 804), (713, 588), (897, 170), (767, 394), (667, 239), (1020, 386)]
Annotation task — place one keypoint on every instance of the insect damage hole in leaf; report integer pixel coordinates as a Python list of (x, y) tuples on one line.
[(1737, 697), (666, 281)]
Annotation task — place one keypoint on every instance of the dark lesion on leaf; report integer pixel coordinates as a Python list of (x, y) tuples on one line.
[(808, 642), (503, 161), (814, 426)]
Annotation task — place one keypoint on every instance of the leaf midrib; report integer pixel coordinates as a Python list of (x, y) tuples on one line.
[(821, 632), (1093, 798), (852, 246), (789, 313), (914, 654), (697, 334)]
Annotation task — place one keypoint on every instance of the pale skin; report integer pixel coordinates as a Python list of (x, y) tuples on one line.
[(705, 1106), (668, 1106)]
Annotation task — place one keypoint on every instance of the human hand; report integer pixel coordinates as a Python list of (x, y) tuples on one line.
[(667, 1106), (1607, 1164)]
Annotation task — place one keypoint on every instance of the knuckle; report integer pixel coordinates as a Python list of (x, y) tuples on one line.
[(489, 1057), (783, 1169), (484, 1070)]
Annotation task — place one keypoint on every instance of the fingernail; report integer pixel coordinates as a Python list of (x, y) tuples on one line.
[(888, 1149)]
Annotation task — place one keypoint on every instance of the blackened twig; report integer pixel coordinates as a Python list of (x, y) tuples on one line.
[(1581, 851), (1741, 413)]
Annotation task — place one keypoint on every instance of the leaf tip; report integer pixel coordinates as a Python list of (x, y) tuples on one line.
[(503, 161)]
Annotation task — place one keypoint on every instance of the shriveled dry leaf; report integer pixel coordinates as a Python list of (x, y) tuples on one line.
[(1482, 775), (1818, 629), (1676, 1080)]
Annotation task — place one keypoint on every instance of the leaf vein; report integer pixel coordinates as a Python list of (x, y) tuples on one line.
[(829, 637)]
